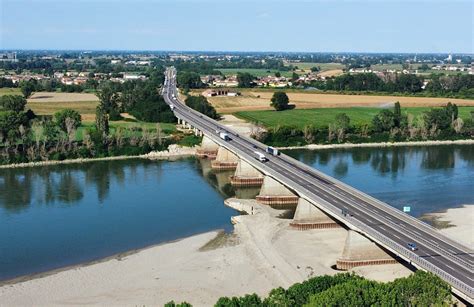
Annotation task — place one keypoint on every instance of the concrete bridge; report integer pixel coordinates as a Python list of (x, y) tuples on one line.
[(378, 232)]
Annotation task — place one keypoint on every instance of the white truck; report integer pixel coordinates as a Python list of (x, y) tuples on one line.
[(172, 107), (224, 136), (260, 156), (273, 151)]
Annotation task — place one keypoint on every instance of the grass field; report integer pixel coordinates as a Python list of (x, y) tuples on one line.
[(257, 99), (323, 117), (9, 91)]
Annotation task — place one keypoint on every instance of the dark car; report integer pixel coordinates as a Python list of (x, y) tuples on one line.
[(412, 246)]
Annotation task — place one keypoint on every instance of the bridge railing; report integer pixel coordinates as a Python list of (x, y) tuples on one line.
[(369, 231), (398, 213), (364, 228), (386, 206)]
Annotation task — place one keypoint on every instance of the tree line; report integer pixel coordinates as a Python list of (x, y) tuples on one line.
[(25, 137), (346, 289), (387, 126), (200, 104), (438, 85)]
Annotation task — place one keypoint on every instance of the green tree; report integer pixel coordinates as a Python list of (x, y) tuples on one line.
[(383, 121), (277, 74), (452, 111), (108, 99), (173, 304), (27, 88), (342, 121), (245, 79), (10, 123), (61, 117), (280, 101), (14, 103), (294, 76), (424, 67), (189, 79), (101, 120), (200, 104), (397, 114)]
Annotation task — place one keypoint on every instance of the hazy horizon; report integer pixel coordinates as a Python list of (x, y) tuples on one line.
[(302, 26)]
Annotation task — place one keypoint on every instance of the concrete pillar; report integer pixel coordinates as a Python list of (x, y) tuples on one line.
[(246, 175), (359, 251), (308, 216), (225, 160), (276, 194), (208, 148)]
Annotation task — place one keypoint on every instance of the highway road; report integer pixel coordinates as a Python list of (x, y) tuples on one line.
[(384, 224)]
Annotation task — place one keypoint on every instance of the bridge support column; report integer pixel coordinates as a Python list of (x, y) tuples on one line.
[(246, 176), (225, 160), (208, 148), (308, 216), (359, 251), (276, 194)]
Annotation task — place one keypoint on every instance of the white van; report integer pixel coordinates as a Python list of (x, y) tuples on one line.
[(260, 157)]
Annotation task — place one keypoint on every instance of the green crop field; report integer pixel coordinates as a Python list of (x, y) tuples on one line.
[(9, 91), (254, 71), (324, 116)]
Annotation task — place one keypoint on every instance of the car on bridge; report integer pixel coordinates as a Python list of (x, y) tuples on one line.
[(412, 246)]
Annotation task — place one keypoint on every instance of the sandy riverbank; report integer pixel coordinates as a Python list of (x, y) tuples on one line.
[(382, 144), (261, 254), (173, 152), (457, 223)]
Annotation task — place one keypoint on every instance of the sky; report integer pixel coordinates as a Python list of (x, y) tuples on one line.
[(239, 25)]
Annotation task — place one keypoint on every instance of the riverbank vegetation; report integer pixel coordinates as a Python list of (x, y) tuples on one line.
[(362, 125), (419, 289), (27, 137)]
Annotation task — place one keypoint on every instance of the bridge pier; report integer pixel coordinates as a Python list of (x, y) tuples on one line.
[(276, 194), (246, 176), (225, 160), (360, 251), (308, 216), (208, 148)]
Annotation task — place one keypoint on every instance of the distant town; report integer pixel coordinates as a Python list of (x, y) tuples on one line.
[(82, 70)]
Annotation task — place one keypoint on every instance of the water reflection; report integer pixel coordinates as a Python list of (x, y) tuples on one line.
[(61, 215), (438, 158), (65, 184)]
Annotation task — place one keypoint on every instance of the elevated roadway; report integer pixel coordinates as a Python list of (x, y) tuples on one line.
[(385, 225)]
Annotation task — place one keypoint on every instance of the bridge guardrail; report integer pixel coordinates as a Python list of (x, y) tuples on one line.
[(372, 233)]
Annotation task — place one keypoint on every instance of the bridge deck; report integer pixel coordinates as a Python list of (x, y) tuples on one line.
[(382, 223)]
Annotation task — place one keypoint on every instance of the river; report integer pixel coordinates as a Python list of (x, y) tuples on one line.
[(56, 216)]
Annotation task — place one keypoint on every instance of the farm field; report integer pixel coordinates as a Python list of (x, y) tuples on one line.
[(252, 100), (324, 116)]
